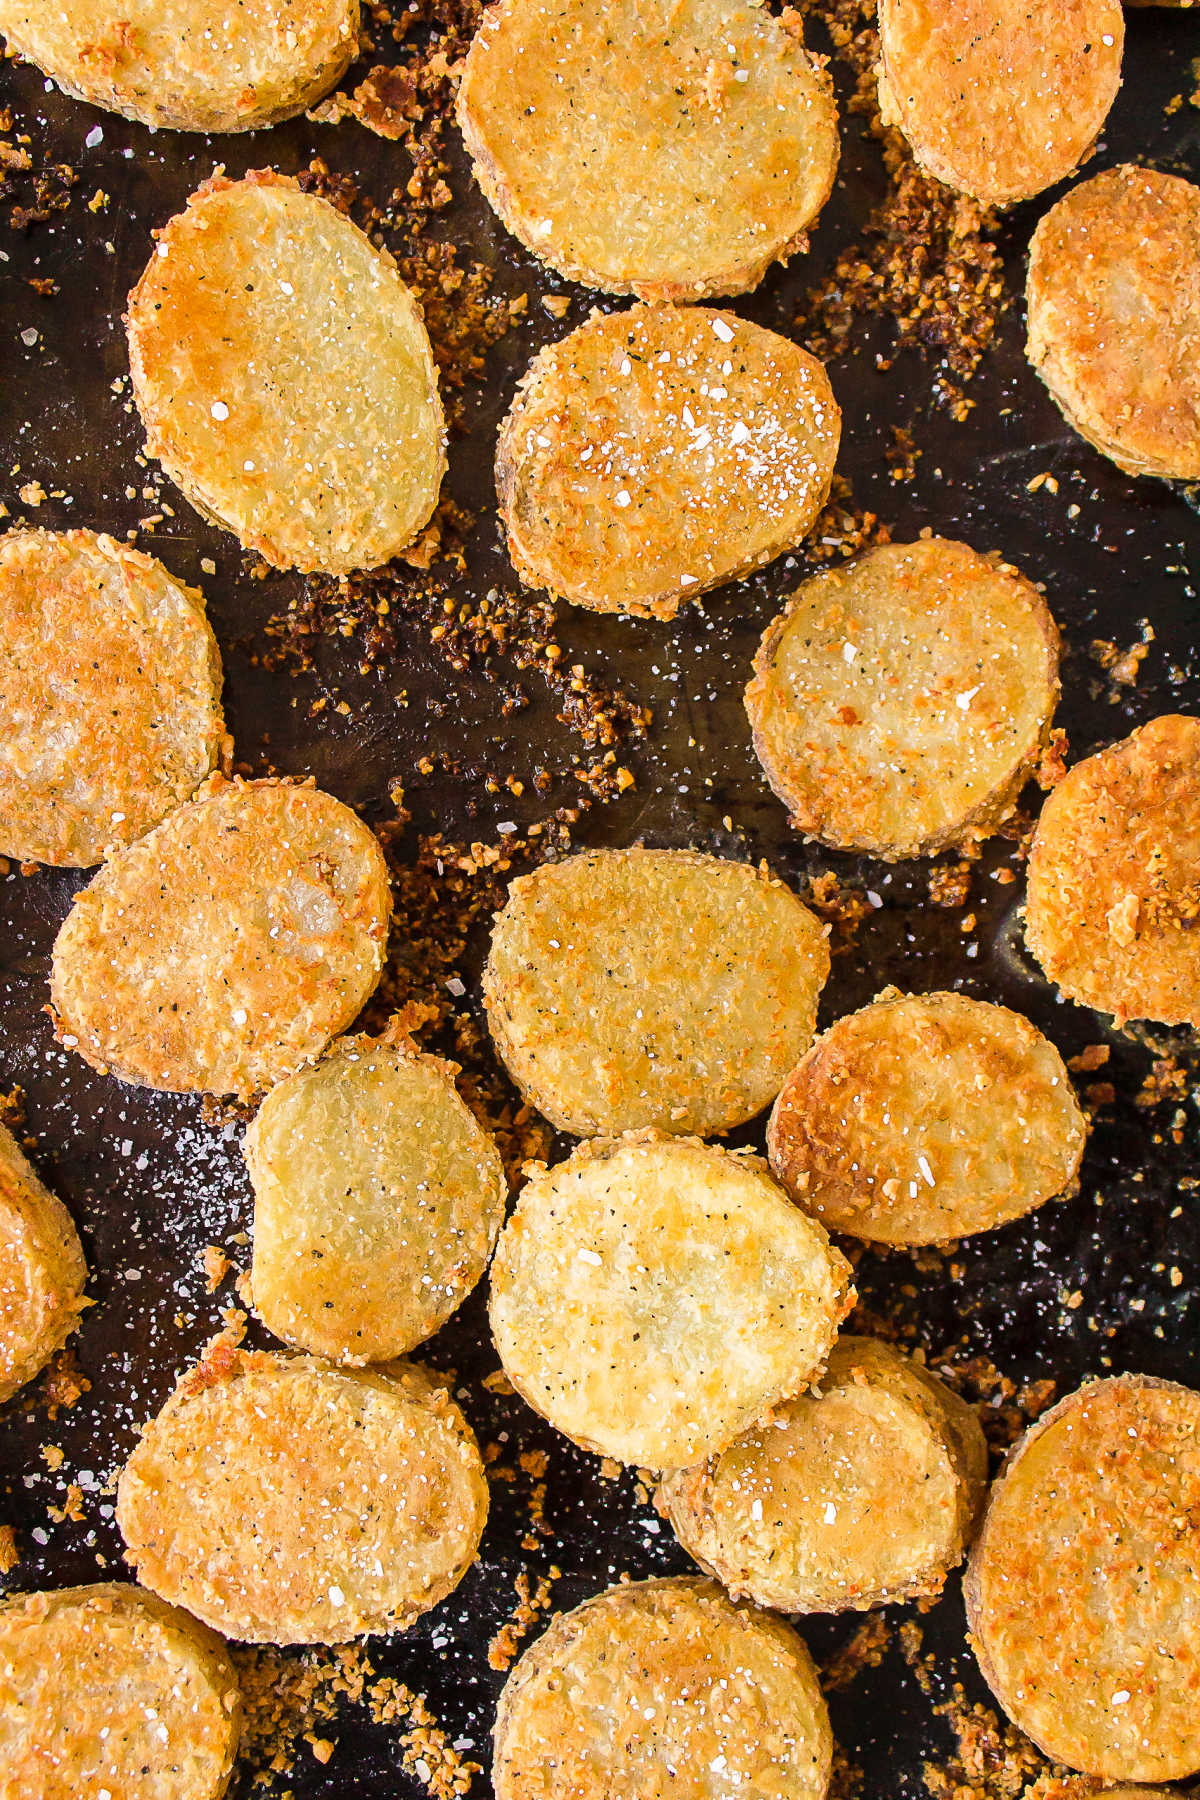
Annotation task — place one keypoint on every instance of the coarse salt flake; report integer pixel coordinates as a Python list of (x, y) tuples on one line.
[(723, 331), (219, 411)]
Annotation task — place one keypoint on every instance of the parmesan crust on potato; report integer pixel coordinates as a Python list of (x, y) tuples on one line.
[(658, 452), (926, 1117), (225, 948), (653, 1297), (1112, 910), (42, 1270), (1083, 1589), (860, 1493), (646, 148), (663, 1687), (285, 378), (899, 704), (377, 1199), (630, 988), (196, 65), (105, 1689), (285, 1501), (999, 98), (1113, 299), (110, 695)]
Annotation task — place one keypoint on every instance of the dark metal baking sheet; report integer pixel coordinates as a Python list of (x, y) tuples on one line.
[(152, 1181)]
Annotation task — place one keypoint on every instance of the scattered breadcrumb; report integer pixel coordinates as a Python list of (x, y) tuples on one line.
[(532, 1601), (216, 1266), (10, 1556)]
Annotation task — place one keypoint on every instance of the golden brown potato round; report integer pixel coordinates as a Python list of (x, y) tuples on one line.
[(285, 1501), (1113, 298), (998, 98), (105, 1690), (653, 1297), (1112, 911), (42, 1270), (899, 704), (629, 988), (663, 1687), (658, 452), (925, 1117), (377, 1199), (197, 65), (1083, 1589), (649, 149), (285, 378), (110, 695), (225, 948), (859, 1493)]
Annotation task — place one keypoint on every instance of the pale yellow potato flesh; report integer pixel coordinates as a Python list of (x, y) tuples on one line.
[(106, 1689), (653, 1297), (1083, 1589), (195, 65), (286, 1501), (663, 1688), (860, 1493), (110, 695), (285, 378), (925, 1117), (42, 1270), (900, 703), (377, 1199), (998, 98), (236, 968), (656, 453), (644, 148), (665, 988)]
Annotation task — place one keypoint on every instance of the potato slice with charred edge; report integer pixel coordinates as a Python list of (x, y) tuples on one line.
[(998, 98), (285, 378), (630, 988), (110, 695), (925, 1117), (863, 1492), (653, 1296), (650, 149), (377, 1199), (196, 65), (1112, 910), (42, 1270), (1083, 1589), (658, 452), (663, 1687), (225, 948), (105, 1688), (1113, 299), (899, 704), (285, 1501)]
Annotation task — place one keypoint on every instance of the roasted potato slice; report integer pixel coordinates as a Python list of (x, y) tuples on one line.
[(998, 98), (899, 704), (196, 65), (658, 452), (106, 1689), (649, 149), (1083, 1589), (862, 1492), (1113, 894), (630, 988), (42, 1270), (652, 1297), (225, 948), (663, 1687), (285, 378), (285, 1501), (110, 695), (926, 1117), (377, 1199), (1113, 299)]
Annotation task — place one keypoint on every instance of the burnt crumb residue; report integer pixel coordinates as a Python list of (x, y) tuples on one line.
[(927, 262), (31, 190)]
